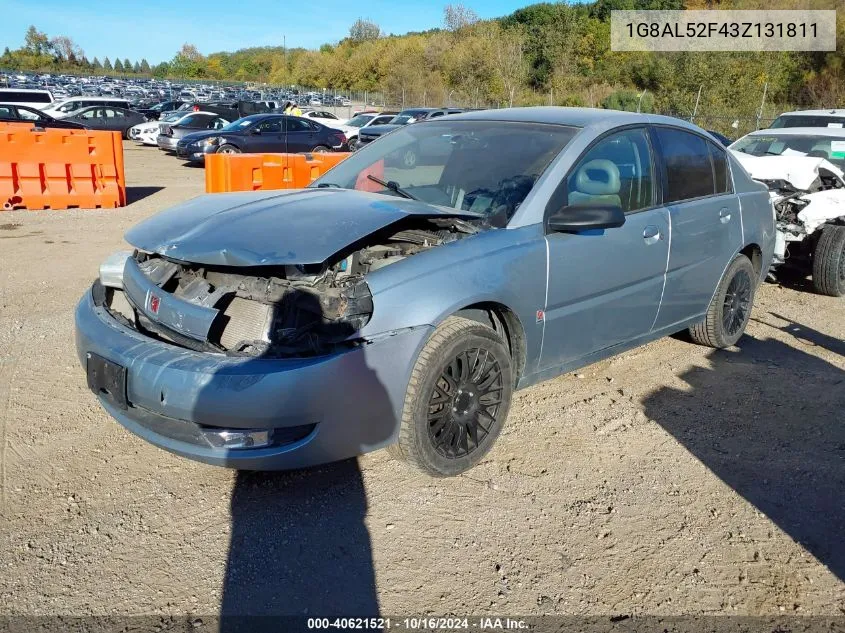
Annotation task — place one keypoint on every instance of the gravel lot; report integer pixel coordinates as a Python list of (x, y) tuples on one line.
[(671, 480)]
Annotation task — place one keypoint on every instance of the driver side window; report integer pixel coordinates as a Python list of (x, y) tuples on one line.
[(616, 171)]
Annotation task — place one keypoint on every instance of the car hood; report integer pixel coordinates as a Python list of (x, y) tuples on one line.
[(378, 130), (273, 228)]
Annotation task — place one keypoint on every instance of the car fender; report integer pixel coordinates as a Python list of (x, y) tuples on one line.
[(498, 266)]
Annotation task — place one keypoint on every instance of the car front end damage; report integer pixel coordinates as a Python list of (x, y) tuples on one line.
[(807, 193), (254, 366)]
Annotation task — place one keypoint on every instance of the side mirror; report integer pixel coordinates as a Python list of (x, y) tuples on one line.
[(574, 219), (255, 131)]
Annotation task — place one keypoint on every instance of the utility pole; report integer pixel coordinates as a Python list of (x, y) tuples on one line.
[(640, 101), (762, 103), (695, 109)]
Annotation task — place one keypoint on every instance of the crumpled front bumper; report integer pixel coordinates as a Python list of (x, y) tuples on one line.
[(349, 403)]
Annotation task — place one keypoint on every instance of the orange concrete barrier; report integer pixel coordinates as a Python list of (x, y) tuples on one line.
[(254, 172), (60, 169)]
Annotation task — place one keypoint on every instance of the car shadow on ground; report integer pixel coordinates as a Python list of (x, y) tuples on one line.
[(794, 277), (134, 193), (299, 546), (770, 423)]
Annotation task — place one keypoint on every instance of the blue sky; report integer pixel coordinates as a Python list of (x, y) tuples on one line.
[(155, 29)]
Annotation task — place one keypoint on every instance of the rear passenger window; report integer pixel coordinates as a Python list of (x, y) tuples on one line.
[(688, 170), (720, 169), (615, 171)]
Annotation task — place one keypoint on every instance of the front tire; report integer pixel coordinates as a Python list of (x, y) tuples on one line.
[(457, 399), (729, 310), (829, 262), (228, 149), (320, 149)]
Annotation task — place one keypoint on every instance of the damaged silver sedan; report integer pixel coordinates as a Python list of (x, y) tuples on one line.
[(400, 306)]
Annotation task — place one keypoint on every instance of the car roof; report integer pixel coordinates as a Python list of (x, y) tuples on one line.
[(574, 117), (831, 112), (836, 132), (95, 107), (97, 97)]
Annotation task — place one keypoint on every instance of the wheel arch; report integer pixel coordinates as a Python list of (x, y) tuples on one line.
[(755, 253), (504, 322)]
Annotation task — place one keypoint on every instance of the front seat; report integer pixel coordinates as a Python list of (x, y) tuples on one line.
[(596, 181)]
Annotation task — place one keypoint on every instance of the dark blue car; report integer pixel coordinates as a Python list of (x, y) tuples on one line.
[(260, 133)]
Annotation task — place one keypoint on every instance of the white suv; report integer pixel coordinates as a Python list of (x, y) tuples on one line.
[(69, 107), (40, 99)]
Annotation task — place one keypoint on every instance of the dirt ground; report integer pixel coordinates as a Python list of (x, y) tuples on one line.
[(670, 480)]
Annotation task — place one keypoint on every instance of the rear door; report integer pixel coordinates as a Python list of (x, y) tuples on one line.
[(604, 287), (113, 119), (301, 134), (92, 118), (706, 224)]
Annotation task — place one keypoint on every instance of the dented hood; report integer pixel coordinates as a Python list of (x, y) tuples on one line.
[(271, 228), (800, 171)]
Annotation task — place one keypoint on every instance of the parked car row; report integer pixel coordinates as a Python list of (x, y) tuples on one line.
[(193, 135), (143, 93)]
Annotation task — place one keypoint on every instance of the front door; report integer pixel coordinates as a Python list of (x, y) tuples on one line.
[(270, 137), (604, 287)]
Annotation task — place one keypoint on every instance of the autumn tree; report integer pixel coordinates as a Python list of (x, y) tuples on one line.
[(363, 30), (36, 42), (457, 17)]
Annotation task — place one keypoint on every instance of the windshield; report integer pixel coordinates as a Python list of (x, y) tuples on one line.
[(401, 119), (807, 120), (485, 167), (240, 124), (360, 120), (831, 148)]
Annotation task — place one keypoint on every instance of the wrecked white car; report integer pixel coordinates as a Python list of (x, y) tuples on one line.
[(803, 168)]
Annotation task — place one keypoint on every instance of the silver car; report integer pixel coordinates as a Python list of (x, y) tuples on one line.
[(395, 306)]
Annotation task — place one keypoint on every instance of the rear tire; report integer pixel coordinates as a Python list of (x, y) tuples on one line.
[(457, 399), (730, 307), (320, 149), (829, 262), (228, 149)]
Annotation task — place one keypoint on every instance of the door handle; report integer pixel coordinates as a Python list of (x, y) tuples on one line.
[(652, 234), (725, 216)]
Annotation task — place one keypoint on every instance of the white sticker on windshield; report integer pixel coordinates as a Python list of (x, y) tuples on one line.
[(834, 125), (792, 152)]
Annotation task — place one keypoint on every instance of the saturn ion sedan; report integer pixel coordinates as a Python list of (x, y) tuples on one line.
[(388, 306)]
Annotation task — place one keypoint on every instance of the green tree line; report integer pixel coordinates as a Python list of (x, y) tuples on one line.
[(548, 53)]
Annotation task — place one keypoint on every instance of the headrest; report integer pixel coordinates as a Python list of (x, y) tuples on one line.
[(598, 177)]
